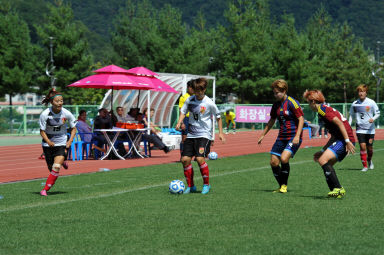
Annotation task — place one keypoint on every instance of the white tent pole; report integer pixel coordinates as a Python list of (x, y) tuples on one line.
[(214, 90), (149, 112), (184, 84), (214, 100)]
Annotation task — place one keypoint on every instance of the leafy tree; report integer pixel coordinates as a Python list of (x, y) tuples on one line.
[(16, 54), (290, 54), (147, 37), (135, 37), (247, 63), (70, 53), (337, 61)]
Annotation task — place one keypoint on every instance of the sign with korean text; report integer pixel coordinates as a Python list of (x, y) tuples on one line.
[(258, 114)]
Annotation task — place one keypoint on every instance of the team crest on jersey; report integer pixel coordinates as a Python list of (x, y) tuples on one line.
[(64, 120), (201, 150), (203, 109), (367, 108)]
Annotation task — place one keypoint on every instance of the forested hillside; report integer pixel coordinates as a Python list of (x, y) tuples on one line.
[(366, 17), (245, 44)]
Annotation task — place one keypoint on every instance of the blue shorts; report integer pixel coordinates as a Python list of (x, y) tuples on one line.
[(186, 123), (279, 146), (338, 148)]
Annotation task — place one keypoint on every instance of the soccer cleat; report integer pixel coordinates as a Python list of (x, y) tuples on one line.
[(43, 193), (364, 169), (206, 189), (65, 165), (337, 193), (371, 166), (190, 190), (283, 189)]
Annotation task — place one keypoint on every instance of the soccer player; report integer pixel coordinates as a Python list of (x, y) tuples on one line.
[(338, 146), (291, 119), (230, 118), (202, 110), (184, 125), (53, 130), (365, 111)]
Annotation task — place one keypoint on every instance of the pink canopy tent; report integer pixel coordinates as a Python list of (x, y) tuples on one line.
[(116, 80), (149, 76), (141, 70), (112, 69)]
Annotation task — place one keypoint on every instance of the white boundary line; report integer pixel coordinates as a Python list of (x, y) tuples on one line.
[(42, 204)]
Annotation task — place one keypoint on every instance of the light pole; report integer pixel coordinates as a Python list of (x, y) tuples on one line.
[(51, 64), (379, 68)]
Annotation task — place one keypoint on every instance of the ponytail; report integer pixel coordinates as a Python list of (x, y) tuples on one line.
[(50, 96)]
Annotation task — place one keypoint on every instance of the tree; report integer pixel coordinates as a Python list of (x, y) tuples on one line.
[(16, 55), (247, 64), (290, 54), (337, 62), (148, 37), (72, 59)]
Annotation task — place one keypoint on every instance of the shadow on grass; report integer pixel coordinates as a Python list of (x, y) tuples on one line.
[(319, 197), (349, 169), (53, 193)]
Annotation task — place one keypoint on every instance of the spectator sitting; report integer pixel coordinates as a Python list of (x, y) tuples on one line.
[(314, 128), (154, 128), (102, 121), (83, 127), (120, 115), (153, 137), (132, 114), (85, 130)]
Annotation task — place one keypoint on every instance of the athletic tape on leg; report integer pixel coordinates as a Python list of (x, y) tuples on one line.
[(56, 167)]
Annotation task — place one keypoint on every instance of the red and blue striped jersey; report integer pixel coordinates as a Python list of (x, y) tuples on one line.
[(288, 114), (327, 113)]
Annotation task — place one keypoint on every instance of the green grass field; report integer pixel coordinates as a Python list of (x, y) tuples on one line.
[(130, 211)]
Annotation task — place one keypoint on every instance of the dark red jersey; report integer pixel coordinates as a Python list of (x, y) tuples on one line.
[(288, 114), (327, 113)]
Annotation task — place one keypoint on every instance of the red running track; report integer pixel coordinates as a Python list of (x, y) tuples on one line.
[(20, 163)]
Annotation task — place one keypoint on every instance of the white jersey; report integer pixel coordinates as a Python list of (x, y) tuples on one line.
[(55, 125), (363, 111), (200, 117)]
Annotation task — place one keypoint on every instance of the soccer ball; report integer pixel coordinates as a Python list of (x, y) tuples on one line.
[(212, 155), (176, 187)]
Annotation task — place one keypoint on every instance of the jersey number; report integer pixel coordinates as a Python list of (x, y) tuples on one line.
[(361, 115), (56, 129), (196, 116)]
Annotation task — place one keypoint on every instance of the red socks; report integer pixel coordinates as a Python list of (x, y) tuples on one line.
[(363, 156), (51, 180), (188, 173), (205, 173)]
